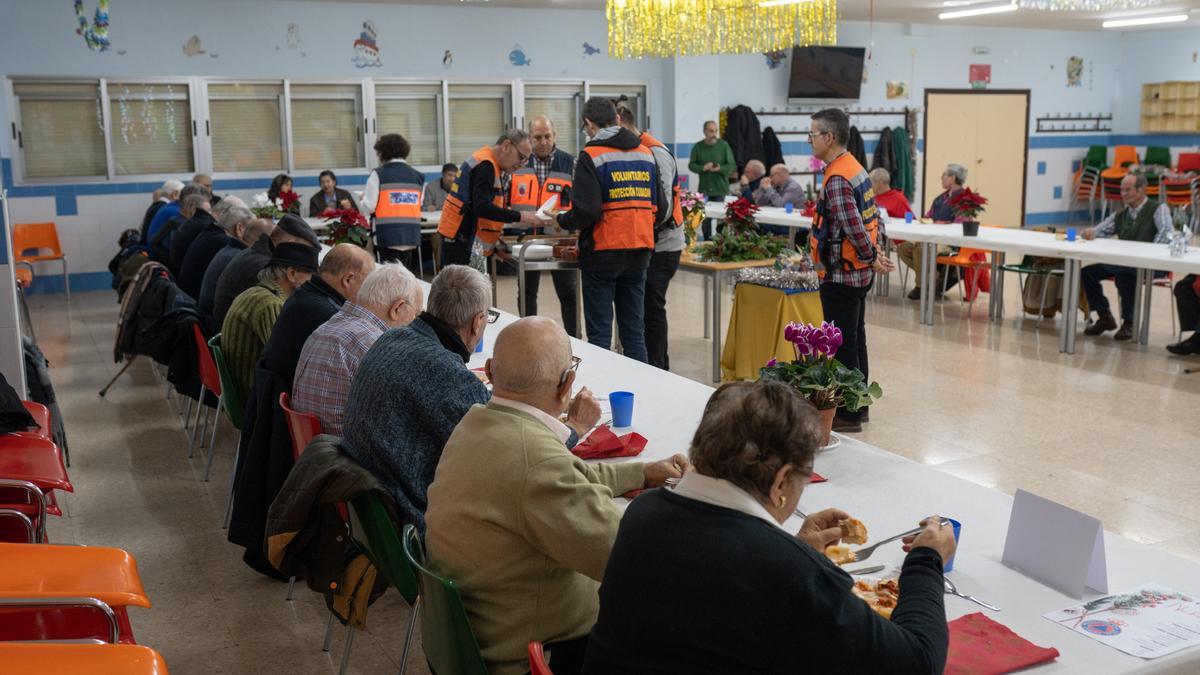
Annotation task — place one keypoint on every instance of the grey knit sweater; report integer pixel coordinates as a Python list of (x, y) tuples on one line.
[(411, 389)]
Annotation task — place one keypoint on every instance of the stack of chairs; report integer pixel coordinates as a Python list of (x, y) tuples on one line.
[(1124, 156)]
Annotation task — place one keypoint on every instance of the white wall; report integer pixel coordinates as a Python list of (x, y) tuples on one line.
[(1152, 56)]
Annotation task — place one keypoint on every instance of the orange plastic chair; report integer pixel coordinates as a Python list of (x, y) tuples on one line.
[(970, 259), (303, 427), (537, 660), (58, 592), (1124, 156), (73, 658), (42, 239)]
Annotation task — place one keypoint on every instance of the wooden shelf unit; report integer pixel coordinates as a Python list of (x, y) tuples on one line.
[(1171, 107)]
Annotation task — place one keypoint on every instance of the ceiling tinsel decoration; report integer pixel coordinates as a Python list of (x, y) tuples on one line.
[(666, 28), (1086, 5)]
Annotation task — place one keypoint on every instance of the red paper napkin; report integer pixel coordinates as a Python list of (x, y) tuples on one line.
[(604, 444), (817, 478), (980, 646)]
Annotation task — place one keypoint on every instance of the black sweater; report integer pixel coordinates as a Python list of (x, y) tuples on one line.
[(695, 588)]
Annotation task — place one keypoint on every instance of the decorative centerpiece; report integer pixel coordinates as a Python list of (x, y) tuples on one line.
[(820, 377), (290, 202), (262, 207), (1177, 243), (347, 226), (968, 204), (692, 204), (810, 202), (740, 240), (791, 275)]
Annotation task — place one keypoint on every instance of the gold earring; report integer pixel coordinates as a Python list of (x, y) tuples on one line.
[(782, 501)]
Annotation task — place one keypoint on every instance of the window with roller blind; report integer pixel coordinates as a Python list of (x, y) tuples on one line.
[(478, 115), (326, 126), (632, 96), (246, 126), (151, 128), (61, 129), (561, 104), (415, 112)]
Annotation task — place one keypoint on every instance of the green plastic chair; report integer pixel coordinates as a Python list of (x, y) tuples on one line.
[(1157, 155), (233, 410), (374, 530), (1097, 157), (450, 645), (1025, 269)]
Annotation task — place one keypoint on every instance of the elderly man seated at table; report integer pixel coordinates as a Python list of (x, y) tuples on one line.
[(242, 271), (1187, 303), (779, 189), (251, 317), (892, 200), (413, 387), (941, 211), (239, 240), (520, 524), (705, 579), (1139, 220), (436, 191), (752, 177), (389, 298)]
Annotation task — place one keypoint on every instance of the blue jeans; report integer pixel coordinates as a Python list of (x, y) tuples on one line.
[(626, 289)]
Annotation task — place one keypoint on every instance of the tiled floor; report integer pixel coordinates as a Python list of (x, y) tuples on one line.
[(1110, 430)]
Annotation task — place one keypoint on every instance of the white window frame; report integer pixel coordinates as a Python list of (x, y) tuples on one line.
[(441, 112), (361, 122), (284, 129), (191, 85), (509, 102), (579, 100), (644, 121)]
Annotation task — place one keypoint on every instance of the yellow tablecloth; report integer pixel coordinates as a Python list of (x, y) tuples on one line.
[(756, 328)]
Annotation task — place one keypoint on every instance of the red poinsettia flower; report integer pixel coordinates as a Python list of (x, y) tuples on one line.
[(968, 203), (288, 199), (349, 226), (740, 209)]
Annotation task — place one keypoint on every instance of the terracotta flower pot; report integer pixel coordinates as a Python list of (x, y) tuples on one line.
[(826, 423)]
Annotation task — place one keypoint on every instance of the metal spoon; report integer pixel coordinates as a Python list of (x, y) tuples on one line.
[(953, 590), (864, 553)]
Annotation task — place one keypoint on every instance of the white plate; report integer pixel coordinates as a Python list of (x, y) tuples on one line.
[(834, 441), (536, 251)]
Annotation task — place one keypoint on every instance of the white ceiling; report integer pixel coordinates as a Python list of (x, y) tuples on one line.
[(891, 11)]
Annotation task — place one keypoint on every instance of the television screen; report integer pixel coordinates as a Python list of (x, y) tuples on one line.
[(826, 72)]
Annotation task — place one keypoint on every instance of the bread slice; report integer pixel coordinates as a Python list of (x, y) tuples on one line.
[(853, 531), (840, 555)]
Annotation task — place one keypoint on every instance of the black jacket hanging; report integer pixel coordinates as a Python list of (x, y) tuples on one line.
[(856, 147), (772, 148), (744, 136)]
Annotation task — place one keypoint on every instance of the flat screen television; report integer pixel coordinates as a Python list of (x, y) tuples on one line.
[(826, 72)]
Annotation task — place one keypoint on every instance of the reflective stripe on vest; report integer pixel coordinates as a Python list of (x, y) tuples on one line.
[(676, 209), (628, 194), (459, 200), (525, 194), (398, 203), (819, 238)]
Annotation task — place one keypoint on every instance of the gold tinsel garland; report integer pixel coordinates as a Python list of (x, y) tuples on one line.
[(665, 28)]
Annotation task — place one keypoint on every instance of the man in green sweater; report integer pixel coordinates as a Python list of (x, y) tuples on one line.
[(712, 158), (521, 525)]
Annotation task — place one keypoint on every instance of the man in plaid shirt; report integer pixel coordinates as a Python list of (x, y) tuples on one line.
[(390, 297), (846, 204)]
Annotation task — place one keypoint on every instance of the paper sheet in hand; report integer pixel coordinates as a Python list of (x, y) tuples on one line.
[(1149, 621), (543, 210)]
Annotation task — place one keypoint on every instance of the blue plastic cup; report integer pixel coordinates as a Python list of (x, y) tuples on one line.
[(908, 217), (479, 347), (788, 207), (957, 530), (622, 408), (1070, 234)]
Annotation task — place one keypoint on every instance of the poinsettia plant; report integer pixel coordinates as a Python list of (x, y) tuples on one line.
[(692, 204), (348, 227), (816, 374), (289, 201), (739, 214), (968, 204)]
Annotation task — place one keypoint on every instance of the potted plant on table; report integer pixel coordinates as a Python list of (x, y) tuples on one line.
[(692, 204), (347, 226), (741, 239), (968, 204), (820, 377)]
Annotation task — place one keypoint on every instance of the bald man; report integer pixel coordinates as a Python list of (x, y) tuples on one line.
[(513, 515), (548, 172), (752, 177), (779, 189)]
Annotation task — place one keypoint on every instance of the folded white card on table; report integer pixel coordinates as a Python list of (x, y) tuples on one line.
[(1058, 546)]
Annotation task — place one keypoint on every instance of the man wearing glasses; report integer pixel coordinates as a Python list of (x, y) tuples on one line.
[(477, 206), (514, 515)]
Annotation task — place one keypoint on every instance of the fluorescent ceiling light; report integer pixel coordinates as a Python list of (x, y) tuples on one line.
[(1145, 20), (977, 11), (777, 3)]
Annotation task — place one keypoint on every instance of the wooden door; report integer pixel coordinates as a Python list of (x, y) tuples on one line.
[(986, 131)]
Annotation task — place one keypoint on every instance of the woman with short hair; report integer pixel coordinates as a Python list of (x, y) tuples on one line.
[(704, 579)]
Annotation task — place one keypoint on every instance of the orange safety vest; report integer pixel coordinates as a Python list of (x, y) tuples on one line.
[(628, 195), (399, 203), (458, 202), (827, 251), (676, 210), (525, 194)]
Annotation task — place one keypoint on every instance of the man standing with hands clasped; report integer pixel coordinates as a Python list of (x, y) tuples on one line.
[(844, 242), (713, 159)]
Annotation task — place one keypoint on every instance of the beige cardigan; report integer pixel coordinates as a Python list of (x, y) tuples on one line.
[(524, 528)]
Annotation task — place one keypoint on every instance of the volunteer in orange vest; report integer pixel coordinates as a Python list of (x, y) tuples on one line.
[(547, 174), (668, 246), (393, 197), (476, 210), (617, 203), (845, 245)]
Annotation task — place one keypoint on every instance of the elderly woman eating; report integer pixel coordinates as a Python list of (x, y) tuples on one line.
[(704, 579)]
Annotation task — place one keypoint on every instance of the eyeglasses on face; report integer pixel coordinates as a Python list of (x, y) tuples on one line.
[(815, 134), (493, 316), (575, 361)]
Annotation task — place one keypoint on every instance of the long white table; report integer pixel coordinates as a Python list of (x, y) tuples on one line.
[(890, 494), (1145, 257)]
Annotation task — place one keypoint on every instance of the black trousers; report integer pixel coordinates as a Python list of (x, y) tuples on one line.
[(1186, 299), (564, 287), (455, 252), (658, 277), (846, 307), (566, 657)]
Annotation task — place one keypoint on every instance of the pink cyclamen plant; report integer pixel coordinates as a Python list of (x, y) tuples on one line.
[(814, 342)]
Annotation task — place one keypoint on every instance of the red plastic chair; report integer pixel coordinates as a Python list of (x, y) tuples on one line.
[(41, 415), (25, 458), (303, 427), (210, 381), (537, 660), (1188, 161)]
